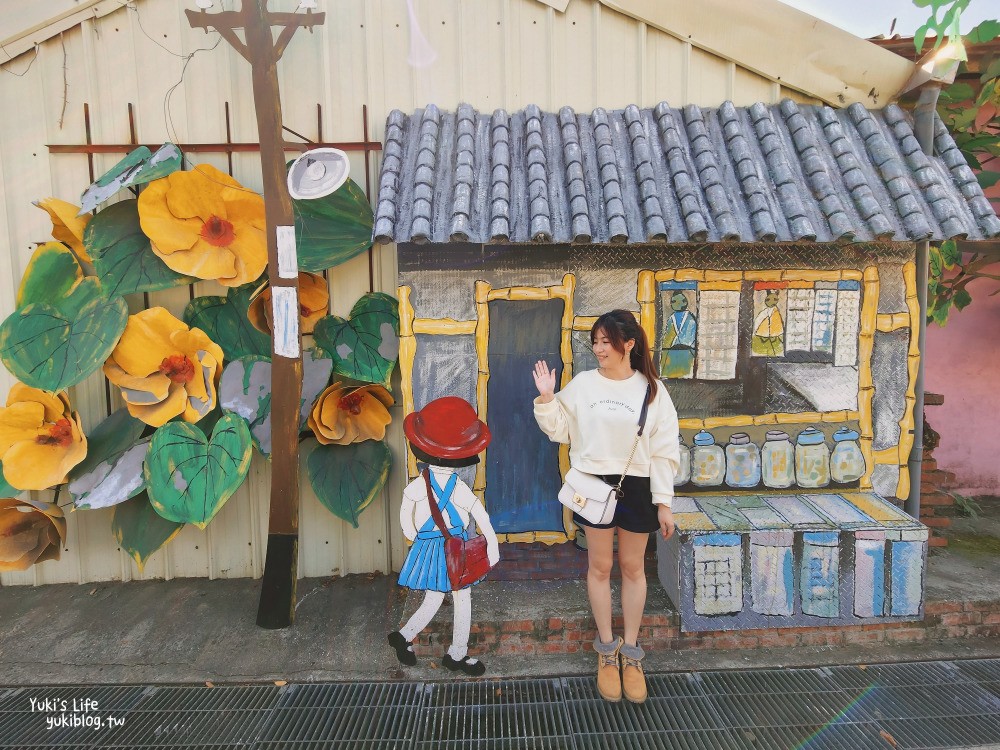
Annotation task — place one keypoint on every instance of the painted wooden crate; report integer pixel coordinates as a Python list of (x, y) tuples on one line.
[(741, 562)]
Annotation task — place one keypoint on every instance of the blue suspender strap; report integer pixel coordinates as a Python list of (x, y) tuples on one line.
[(446, 495)]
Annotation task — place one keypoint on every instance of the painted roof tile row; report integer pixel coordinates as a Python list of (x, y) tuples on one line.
[(764, 173)]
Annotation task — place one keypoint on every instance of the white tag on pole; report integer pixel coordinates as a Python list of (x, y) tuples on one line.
[(288, 261), (285, 317)]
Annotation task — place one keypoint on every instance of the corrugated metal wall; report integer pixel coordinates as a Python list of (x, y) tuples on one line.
[(491, 53)]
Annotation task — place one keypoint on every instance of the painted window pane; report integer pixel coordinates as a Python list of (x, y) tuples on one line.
[(678, 339), (769, 316), (845, 350), (718, 333), (800, 306), (824, 313)]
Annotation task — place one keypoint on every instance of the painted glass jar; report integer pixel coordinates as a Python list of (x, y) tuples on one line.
[(708, 461), (683, 475), (812, 459), (846, 464), (778, 460), (742, 461)]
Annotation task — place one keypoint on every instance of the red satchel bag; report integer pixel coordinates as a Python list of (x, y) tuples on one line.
[(467, 560)]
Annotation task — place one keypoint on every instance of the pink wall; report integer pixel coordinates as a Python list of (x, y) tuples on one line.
[(963, 360)]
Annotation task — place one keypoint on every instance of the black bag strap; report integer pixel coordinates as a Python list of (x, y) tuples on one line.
[(645, 409), (435, 510)]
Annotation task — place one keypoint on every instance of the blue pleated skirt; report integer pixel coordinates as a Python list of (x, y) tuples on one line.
[(425, 567)]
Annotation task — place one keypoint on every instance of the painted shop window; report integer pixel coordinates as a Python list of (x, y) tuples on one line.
[(807, 321), (747, 345)]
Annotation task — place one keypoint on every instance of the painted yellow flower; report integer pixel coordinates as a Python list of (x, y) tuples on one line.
[(344, 415), (41, 439), (66, 225), (30, 532), (314, 303), (203, 223), (165, 369)]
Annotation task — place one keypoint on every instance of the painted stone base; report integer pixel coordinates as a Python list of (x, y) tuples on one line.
[(780, 561)]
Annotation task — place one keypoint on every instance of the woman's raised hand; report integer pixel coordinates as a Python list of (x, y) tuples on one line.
[(545, 381)]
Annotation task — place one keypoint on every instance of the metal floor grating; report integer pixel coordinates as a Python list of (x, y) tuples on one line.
[(954, 704)]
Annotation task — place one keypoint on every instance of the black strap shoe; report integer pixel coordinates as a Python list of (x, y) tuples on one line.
[(472, 667), (404, 649)]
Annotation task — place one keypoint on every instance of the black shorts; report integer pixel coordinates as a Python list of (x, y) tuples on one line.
[(635, 512)]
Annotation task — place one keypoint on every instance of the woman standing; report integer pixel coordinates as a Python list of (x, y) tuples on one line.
[(597, 413)]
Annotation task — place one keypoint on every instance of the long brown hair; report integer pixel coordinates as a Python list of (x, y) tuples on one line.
[(620, 326)]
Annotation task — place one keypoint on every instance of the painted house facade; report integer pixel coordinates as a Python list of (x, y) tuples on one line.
[(843, 291)]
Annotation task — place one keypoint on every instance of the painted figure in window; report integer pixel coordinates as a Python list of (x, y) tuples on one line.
[(679, 337), (445, 435), (769, 328)]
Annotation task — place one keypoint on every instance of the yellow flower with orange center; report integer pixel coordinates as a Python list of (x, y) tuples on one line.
[(41, 439), (165, 369), (203, 223), (66, 225), (344, 415), (30, 532), (314, 302)]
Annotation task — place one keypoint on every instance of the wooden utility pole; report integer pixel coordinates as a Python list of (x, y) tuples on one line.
[(262, 51)]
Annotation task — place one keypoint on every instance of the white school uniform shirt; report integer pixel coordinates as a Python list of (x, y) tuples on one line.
[(414, 511), (599, 418)]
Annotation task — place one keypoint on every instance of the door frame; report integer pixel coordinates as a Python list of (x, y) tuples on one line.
[(479, 327)]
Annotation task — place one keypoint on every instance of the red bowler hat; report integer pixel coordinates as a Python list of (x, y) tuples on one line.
[(447, 427)]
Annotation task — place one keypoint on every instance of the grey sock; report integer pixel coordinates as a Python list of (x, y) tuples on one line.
[(606, 648), (632, 652)]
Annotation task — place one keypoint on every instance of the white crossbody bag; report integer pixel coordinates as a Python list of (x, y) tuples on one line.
[(591, 497)]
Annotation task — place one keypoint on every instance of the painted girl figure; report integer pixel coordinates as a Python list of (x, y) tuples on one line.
[(446, 435)]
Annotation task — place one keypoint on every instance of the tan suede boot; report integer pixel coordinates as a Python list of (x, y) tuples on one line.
[(609, 679), (633, 679)]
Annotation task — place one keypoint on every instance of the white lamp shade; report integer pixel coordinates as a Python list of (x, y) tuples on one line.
[(318, 172)]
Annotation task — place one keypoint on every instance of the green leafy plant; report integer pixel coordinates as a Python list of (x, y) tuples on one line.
[(970, 109), (966, 505)]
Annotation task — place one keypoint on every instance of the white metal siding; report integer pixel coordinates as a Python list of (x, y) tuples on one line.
[(491, 53)]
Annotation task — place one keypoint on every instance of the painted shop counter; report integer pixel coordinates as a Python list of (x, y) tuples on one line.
[(747, 561)]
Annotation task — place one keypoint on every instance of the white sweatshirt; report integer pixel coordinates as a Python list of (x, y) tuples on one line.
[(599, 418)]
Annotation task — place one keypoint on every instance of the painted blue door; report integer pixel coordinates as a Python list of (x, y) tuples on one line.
[(522, 464)]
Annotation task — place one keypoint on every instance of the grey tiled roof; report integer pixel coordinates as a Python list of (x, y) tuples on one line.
[(765, 173)]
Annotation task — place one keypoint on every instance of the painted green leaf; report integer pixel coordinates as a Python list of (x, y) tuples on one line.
[(51, 275), (346, 478), (332, 229), (245, 390), (112, 471), (225, 321), (139, 167), (140, 530), (365, 347), (188, 477), (6, 488), (53, 348), (122, 254), (962, 299)]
